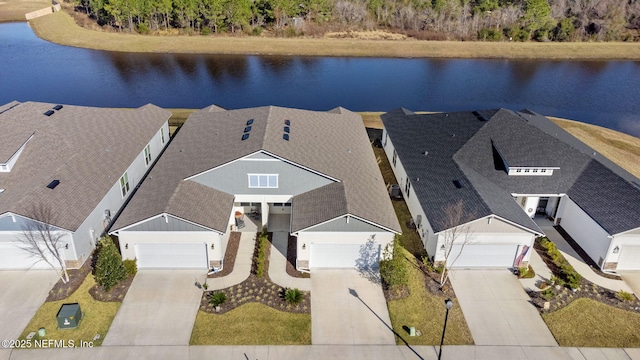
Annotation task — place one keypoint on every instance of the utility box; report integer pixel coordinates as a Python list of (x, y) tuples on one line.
[(69, 316)]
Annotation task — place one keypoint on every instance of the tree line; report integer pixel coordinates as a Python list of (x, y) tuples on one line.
[(490, 20)]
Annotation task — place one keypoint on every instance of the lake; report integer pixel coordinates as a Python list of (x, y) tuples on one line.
[(605, 93)]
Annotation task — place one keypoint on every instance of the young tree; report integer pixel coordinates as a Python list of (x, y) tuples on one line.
[(109, 269), (393, 268), (43, 241), (457, 233)]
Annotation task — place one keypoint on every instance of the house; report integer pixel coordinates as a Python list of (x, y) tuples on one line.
[(504, 168), (78, 165), (312, 174)]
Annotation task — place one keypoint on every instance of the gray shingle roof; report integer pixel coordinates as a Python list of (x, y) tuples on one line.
[(524, 139), (332, 143), (86, 148)]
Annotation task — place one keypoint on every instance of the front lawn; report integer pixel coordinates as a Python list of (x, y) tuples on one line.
[(426, 311), (98, 316), (252, 324), (587, 322)]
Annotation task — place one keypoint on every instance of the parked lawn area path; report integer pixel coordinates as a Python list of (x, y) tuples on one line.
[(589, 323), (97, 317), (252, 324)]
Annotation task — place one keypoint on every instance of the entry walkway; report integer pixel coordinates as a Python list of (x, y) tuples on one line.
[(543, 274), (322, 352), (278, 264), (242, 266), (578, 263)]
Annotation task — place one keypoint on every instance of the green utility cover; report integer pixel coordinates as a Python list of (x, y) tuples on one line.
[(69, 316)]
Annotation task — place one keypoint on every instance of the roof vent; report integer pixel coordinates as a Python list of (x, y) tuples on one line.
[(249, 122), (1, 191), (458, 184), (287, 122), (287, 129), (53, 184), (49, 112), (247, 129), (57, 107), (426, 153), (285, 137), (245, 136)]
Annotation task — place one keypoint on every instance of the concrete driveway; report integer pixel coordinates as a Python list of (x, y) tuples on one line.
[(347, 308), (159, 309), (22, 294), (497, 309)]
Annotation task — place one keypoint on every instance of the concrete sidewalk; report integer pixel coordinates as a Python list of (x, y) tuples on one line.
[(278, 264), (541, 269), (242, 266), (322, 352)]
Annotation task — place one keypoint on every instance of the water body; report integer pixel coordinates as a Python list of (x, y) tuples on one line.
[(605, 93)]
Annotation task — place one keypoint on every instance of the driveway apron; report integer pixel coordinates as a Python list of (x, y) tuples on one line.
[(497, 309), (159, 309), (347, 308), (23, 292)]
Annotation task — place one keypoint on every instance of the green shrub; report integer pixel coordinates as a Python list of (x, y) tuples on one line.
[(260, 258), (490, 34), (547, 294), (293, 296), (556, 280), (143, 28), (205, 31), (217, 298), (393, 268), (256, 31), (526, 272), (131, 266), (624, 296), (109, 269), (571, 276)]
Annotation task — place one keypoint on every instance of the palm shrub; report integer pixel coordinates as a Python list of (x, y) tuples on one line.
[(293, 296), (109, 270), (217, 298)]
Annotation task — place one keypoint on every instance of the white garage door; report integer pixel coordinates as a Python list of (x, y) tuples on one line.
[(483, 256), (12, 257), (172, 255), (344, 256), (629, 258)]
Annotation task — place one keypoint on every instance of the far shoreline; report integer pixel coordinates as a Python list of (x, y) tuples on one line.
[(60, 28)]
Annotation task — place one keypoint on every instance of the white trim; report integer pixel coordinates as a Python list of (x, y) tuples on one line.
[(538, 195), (347, 215), (13, 215), (7, 166), (163, 214), (620, 233), (497, 217), (270, 154)]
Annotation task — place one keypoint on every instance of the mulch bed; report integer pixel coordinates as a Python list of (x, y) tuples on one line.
[(254, 289), (229, 256), (62, 291), (116, 294), (292, 255), (563, 296)]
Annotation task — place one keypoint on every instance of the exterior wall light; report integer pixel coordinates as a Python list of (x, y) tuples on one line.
[(212, 246), (126, 246), (304, 246), (616, 249), (66, 246)]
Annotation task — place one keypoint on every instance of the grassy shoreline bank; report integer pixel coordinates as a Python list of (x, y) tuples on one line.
[(61, 28)]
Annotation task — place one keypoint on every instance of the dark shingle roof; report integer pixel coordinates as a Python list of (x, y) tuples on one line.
[(332, 143), (524, 139), (87, 149)]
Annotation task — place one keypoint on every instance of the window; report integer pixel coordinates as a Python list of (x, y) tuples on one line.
[(543, 170), (395, 157), (162, 135), (124, 184), (518, 170), (407, 187), (535, 170), (526, 170), (147, 155), (263, 181), (386, 137)]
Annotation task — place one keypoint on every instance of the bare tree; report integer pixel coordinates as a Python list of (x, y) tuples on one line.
[(456, 234), (43, 241)]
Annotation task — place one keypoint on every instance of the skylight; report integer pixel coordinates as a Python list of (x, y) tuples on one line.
[(249, 122), (247, 129), (57, 107), (245, 136), (287, 122), (286, 129), (49, 112), (285, 137), (53, 184)]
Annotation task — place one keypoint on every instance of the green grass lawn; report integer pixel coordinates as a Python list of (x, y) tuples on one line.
[(98, 317), (252, 324), (426, 313), (586, 322)]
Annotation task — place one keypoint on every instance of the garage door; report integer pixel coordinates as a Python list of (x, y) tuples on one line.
[(338, 256), (629, 258), (12, 257), (172, 255), (483, 256)]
